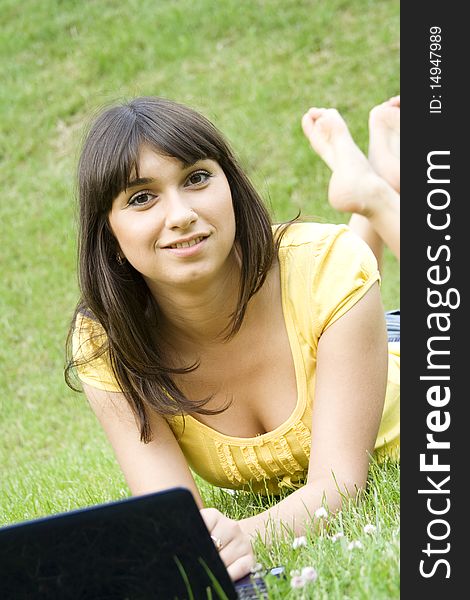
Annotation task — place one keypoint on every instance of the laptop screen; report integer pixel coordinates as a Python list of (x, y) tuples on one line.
[(153, 546)]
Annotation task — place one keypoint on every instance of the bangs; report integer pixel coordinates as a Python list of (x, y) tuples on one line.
[(180, 133), (111, 154)]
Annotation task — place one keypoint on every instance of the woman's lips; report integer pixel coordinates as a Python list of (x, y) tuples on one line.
[(185, 249)]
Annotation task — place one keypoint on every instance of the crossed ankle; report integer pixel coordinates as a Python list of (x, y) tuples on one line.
[(381, 197)]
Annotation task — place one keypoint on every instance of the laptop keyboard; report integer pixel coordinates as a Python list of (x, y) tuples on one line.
[(252, 591)]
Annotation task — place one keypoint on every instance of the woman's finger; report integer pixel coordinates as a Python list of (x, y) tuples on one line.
[(210, 516), (234, 548), (241, 567)]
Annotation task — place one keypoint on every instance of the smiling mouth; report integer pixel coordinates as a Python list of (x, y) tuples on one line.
[(187, 244)]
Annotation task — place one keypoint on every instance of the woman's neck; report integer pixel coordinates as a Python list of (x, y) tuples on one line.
[(201, 313)]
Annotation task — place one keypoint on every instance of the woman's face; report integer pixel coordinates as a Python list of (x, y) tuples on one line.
[(175, 224)]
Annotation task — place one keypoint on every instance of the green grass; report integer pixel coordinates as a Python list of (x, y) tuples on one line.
[(253, 69), (367, 572)]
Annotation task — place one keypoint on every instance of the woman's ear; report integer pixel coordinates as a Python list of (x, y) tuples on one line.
[(114, 245)]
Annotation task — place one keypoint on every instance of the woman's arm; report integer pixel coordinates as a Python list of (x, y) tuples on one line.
[(161, 464), (350, 388), (147, 468)]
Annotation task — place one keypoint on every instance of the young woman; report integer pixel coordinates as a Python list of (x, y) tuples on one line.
[(206, 338)]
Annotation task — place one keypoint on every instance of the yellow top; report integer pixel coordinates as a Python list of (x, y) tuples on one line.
[(324, 270)]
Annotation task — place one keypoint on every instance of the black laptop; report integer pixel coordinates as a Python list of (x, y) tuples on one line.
[(142, 548)]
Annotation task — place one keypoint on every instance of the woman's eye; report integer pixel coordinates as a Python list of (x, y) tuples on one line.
[(141, 199), (199, 177)]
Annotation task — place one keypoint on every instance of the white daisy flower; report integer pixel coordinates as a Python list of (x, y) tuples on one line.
[(299, 542), (309, 574), (321, 513), (297, 582)]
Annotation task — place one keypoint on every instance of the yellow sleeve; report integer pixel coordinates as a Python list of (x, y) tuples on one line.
[(88, 338), (342, 272)]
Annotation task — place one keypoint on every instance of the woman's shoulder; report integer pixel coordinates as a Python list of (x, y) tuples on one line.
[(325, 269), (313, 234), (88, 334), (326, 251), (322, 245), (90, 353), (87, 324)]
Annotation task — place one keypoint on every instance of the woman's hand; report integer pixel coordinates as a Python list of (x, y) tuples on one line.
[(235, 546)]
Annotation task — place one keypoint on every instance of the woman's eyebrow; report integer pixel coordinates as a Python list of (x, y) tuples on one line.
[(133, 183), (138, 181)]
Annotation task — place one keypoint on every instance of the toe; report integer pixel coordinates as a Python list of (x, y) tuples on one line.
[(315, 112), (308, 124), (394, 101)]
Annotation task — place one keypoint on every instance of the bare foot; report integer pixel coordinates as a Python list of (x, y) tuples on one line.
[(354, 185), (384, 141)]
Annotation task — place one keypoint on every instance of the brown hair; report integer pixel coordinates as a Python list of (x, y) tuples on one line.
[(115, 294)]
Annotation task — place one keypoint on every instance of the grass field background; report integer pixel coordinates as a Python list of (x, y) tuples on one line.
[(252, 68)]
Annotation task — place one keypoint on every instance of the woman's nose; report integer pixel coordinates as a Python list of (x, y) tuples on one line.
[(179, 215)]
